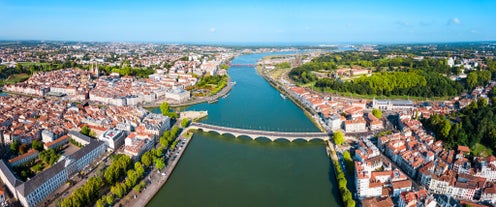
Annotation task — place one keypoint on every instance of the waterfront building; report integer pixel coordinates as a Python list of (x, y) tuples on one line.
[(136, 144), (178, 94), (335, 122), (392, 105)]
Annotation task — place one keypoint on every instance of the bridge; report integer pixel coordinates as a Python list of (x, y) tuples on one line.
[(243, 65), (254, 134)]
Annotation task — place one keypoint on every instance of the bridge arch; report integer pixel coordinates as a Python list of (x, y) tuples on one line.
[(282, 139), (299, 139), (227, 134), (316, 138), (262, 138)]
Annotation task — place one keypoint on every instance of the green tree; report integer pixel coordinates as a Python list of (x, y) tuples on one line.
[(445, 128), (377, 113), (350, 203), (100, 203), (85, 130), (146, 158), (164, 108), (159, 164), (109, 199), (37, 145), (339, 138), (164, 142), (349, 163), (48, 157), (472, 80), (118, 190), (14, 146), (184, 123), (92, 134)]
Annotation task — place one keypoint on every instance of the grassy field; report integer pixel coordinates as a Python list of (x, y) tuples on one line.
[(15, 79), (277, 73)]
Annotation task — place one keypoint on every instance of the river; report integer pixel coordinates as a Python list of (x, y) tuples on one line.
[(226, 171)]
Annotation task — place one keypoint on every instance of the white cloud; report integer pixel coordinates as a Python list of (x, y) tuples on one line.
[(212, 29), (455, 21)]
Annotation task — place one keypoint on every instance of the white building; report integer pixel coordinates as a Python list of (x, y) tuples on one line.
[(392, 104), (113, 138), (178, 94), (33, 191)]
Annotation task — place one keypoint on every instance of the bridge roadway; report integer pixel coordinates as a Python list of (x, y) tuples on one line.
[(254, 134)]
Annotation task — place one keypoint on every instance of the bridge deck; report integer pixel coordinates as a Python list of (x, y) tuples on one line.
[(272, 135)]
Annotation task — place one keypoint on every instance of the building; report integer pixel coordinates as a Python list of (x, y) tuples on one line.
[(79, 138), (36, 189), (135, 145), (392, 105), (374, 123), (26, 157), (56, 143), (178, 94), (489, 193), (377, 202), (113, 138), (356, 125)]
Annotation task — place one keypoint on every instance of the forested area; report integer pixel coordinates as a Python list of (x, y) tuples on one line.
[(417, 83), (394, 75), (474, 126)]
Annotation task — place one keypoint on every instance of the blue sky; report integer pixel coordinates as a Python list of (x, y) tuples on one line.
[(330, 21)]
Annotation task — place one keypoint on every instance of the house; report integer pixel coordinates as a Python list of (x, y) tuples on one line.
[(356, 125)]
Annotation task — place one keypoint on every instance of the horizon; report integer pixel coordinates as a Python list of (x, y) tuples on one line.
[(255, 22)]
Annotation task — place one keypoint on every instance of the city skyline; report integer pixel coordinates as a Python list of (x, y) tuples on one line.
[(249, 22)]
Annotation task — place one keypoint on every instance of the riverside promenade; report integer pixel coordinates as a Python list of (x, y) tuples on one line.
[(157, 179)]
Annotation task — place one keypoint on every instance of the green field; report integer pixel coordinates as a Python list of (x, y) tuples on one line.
[(15, 79)]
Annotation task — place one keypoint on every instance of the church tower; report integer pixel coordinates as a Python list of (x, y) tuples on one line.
[(94, 69)]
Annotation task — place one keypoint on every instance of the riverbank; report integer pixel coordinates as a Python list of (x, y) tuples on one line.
[(159, 178), (198, 100), (309, 113)]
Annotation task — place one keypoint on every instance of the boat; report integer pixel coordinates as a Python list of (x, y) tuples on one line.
[(282, 96), (233, 83), (212, 101), (225, 96)]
